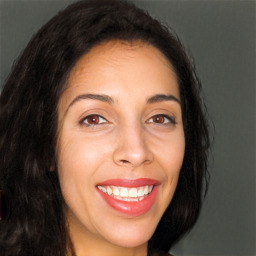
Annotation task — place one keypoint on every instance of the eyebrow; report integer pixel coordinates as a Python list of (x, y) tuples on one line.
[(100, 97), (163, 97), (105, 98)]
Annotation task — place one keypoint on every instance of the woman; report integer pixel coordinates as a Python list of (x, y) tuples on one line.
[(103, 137)]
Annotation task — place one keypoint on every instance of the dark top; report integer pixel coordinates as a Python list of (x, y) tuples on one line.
[(158, 253), (161, 254)]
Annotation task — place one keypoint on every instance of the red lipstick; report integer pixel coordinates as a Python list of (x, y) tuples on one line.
[(129, 182), (141, 205)]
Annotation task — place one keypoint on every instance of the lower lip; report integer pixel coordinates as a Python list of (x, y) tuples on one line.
[(131, 208)]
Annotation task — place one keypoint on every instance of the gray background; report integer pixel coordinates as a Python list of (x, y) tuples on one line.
[(221, 35)]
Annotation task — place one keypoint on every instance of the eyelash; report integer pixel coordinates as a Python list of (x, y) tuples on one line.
[(160, 119)]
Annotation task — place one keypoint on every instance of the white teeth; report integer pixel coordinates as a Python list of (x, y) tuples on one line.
[(140, 192), (109, 190), (102, 189), (127, 194), (124, 192), (116, 191), (145, 191), (133, 192)]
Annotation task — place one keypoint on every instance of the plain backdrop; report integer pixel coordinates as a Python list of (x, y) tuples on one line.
[(221, 36)]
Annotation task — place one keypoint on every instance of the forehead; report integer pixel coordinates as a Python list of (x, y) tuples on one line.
[(112, 64), (116, 51)]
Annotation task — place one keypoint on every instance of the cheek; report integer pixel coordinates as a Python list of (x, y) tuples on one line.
[(78, 153), (175, 152), (79, 158), (170, 157), (70, 169), (78, 162), (171, 152)]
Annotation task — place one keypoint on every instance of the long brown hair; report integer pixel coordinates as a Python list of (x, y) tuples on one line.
[(36, 223)]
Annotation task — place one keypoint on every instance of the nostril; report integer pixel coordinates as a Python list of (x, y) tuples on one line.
[(124, 161)]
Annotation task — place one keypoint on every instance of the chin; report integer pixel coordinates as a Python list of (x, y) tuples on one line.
[(131, 240), (132, 236)]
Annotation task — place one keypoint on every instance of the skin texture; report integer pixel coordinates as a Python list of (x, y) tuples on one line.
[(128, 141)]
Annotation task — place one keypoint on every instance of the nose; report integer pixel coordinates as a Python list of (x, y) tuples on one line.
[(132, 148)]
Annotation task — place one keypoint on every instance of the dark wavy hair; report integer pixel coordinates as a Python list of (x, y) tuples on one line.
[(35, 223)]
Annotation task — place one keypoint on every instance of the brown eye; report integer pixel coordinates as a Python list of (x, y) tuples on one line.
[(94, 120), (158, 119), (162, 119)]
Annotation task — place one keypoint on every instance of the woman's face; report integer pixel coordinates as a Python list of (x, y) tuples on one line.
[(120, 143)]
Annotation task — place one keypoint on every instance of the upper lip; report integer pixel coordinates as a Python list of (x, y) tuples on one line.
[(129, 182)]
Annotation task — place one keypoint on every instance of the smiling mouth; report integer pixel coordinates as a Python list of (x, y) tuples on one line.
[(127, 194)]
